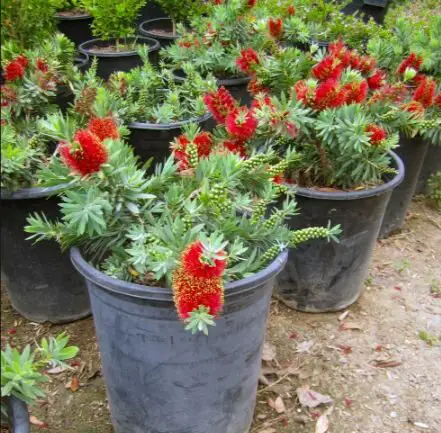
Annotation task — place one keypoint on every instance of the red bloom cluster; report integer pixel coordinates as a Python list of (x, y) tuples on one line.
[(377, 79), (329, 94), (241, 123), (437, 100), (425, 92), (254, 87), (413, 61), (42, 66), (376, 133), (198, 281), (8, 96), (220, 103), (235, 146), (104, 127), (13, 71), (247, 61), (251, 3), (86, 155), (329, 67), (414, 107), (275, 27), (203, 142), (356, 92), (291, 10)]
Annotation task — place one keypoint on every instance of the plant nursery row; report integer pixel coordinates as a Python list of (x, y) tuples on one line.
[(168, 167)]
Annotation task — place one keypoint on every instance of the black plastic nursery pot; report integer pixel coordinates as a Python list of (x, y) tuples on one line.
[(152, 140), (431, 165), (42, 284), (76, 27), (64, 97), (375, 9), (323, 276), (412, 151), (161, 378), (160, 29), (109, 62), (18, 415), (150, 10)]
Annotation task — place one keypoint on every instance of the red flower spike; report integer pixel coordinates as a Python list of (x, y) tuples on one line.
[(255, 87), (247, 61), (220, 103), (329, 67), (86, 155), (241, 123), (251, 3), (302, 92), (275, 27), (291, 10), (425, 92), (356, 91), (235, 146), (377, 134), (279, 179), (192, 262), (204, 143), (42, 66), (365, 65), (13, 71), (329, 94), (190, 292), (377, 79), (104, 127), (413, 61), (414, 107), (22, 60), (437, 100)]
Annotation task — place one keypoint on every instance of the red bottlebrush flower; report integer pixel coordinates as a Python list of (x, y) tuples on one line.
[(437, 100), (251, 3), (356, 91), (329, 67), (292, 129), (217, 2), (103, 127), (220, 103), (247, 61), (291, 10), (329, 94), (235, 146), (86, 155), (377, 79), (279, 179), (337, 49), (254, 87), (366, 64), (414, 107), (425, 92), (413, 61), (13, 71), (8, 95), (377, 134), (190, 292), (275, 27), (204, 143), (194, 263), (302, 92), (23, 60), (259, 103), (42, 66), (185, 44), (241, 123)]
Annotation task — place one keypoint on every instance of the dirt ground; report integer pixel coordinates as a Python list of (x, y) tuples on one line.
[(379, 362)]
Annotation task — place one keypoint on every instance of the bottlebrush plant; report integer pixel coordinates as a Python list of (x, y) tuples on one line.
[(21, 372), (198, 223), (68, 5), (215, 40)]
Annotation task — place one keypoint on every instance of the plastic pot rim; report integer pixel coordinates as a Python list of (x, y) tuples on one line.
[(154, 45), (81, 59), (220, 82), (146, 126), (31, 193), (149, 34), (356, 195), (84, 16), (139, 291)]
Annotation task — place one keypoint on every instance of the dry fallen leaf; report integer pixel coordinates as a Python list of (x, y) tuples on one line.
[(323, 422), (309, 398), (269, 352), (74, 384), (277, 405), (386, 364), (345, 349), (56, 370), (345, 326), (304, 346), (35, 421)]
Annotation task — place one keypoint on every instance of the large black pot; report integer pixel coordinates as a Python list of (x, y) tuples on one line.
[(77, 28), (161, 378), (150, 10), (412, 151), (18, 415), (238, 87), (329, 276), (431, 165), (375, 9), (41, 282), (64, 97), (147, 28), (152, 140), (121, 61)]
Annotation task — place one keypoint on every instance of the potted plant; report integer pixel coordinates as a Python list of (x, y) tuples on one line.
[(197, 226), (114, 26), (344, 171), (214, 43), (163, 29), (21, 376), (73, 20)]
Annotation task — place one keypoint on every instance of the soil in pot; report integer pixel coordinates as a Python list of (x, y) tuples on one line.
[(76, 26), (161, 378), (41, 282), (431, 165), (114, 57), (412, 151), (151, 140), (160, 29), (325, 276)]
